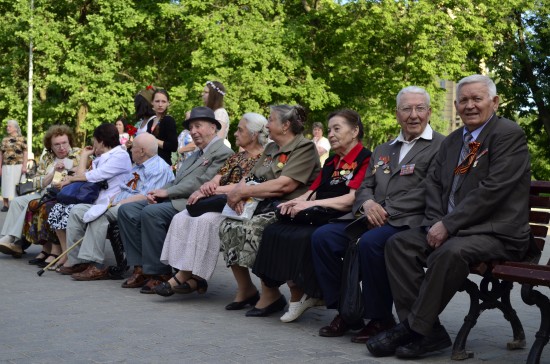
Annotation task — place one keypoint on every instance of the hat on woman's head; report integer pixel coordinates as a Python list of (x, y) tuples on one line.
[(147, 93), (202, 113)]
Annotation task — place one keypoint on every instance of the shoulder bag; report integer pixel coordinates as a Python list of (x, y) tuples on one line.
[(80, 192)]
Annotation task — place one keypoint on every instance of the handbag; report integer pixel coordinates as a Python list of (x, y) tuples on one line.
[(315, 215), (80, 192), (24, 188), (351, 301), (214, 203)]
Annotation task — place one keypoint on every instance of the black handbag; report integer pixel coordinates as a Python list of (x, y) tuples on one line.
[(214, 203), (24, 188), (80, 192), (351, 301), (315, 215)]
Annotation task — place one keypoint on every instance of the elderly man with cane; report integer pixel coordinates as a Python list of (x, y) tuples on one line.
[(92, 222)]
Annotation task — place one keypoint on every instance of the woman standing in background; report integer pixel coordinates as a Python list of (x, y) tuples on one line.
[(212, 96), (13, 157)]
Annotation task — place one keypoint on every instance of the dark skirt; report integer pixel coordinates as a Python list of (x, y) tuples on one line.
[(285, 254)]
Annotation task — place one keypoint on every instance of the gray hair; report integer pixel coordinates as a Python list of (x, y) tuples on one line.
[(295, 115), (15, 124), (149, 144), (255, 123), (478, 79), (413, 90)]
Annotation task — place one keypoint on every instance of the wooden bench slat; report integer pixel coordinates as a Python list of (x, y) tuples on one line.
[(541, 202), (530, 275), (539, 231), (539, 217)]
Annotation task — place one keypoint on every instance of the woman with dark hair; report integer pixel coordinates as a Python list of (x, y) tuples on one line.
[(143, 103), (30, 224), (285, 252), (121, 125), (13, 159), (212, 96), (163, 126), (110, 164), (285, 170)]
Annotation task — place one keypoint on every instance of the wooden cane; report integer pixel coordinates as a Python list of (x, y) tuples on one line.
[(41, 271)]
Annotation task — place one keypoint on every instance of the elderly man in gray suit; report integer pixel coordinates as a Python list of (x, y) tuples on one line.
[(476, 210), (391, 198), (143, 225)]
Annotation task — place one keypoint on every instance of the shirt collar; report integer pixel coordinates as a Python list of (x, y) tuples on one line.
[(350, 157), (475, 133), (216, 138), (427, 134)]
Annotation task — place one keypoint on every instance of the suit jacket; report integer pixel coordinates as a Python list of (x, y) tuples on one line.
[(493, 195), (402, 196), (194, 171)]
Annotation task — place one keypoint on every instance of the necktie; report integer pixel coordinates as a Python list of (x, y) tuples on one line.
[(464, 153)]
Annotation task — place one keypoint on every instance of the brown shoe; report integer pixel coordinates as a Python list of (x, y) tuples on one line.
[(338, 327), (92, 273), (136, 280), (77, 268), (373, 328), (153, 282)]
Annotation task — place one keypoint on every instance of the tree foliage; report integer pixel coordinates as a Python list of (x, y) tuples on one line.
[(92, 56)]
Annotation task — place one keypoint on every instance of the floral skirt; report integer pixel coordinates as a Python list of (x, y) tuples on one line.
[(36, 229), (59, 215), (240, 239)]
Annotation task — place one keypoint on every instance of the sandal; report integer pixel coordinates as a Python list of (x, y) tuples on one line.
[(45, 263), (165, 289), (36, 260), (201, 286)]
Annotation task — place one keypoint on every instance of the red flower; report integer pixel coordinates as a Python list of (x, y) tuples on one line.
[(131, 130)]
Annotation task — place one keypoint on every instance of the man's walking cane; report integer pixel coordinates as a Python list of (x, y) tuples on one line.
[(41, 271)]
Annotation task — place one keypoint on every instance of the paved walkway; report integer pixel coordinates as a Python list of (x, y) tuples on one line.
[(53, 319)]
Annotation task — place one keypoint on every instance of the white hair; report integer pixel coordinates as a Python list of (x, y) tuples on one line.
[(255, 123), (15, 124), (478, 79), (413, 90)]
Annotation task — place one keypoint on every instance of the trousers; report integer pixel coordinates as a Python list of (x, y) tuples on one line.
[(329, 245)]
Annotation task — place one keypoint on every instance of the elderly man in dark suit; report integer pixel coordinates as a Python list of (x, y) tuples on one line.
[(391, 198), (476, 210), (143, 225)]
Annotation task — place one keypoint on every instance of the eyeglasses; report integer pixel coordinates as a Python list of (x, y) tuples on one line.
[(61, 145), (407, 110)]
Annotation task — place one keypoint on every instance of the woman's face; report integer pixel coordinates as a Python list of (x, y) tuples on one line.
[(317, 132), (120, 126), (243, 137), (340, 134), (98, 147), (61, 146), (275, 127), (205, 93), (160, 103), (10, 129)]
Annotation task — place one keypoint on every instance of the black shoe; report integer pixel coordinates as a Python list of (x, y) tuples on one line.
[(240, 305), (276, 306), (35, 261), (385, 343), (164, 289), (437, 340), (5, 209)]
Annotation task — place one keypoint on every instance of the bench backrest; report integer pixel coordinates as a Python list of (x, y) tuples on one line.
[(539, 199)]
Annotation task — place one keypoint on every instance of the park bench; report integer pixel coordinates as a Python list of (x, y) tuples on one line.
[(497, 282), (531, 274)]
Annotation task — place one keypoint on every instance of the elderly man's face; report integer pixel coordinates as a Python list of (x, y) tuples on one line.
[(413, 114), (474, 105), (202, 132)]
